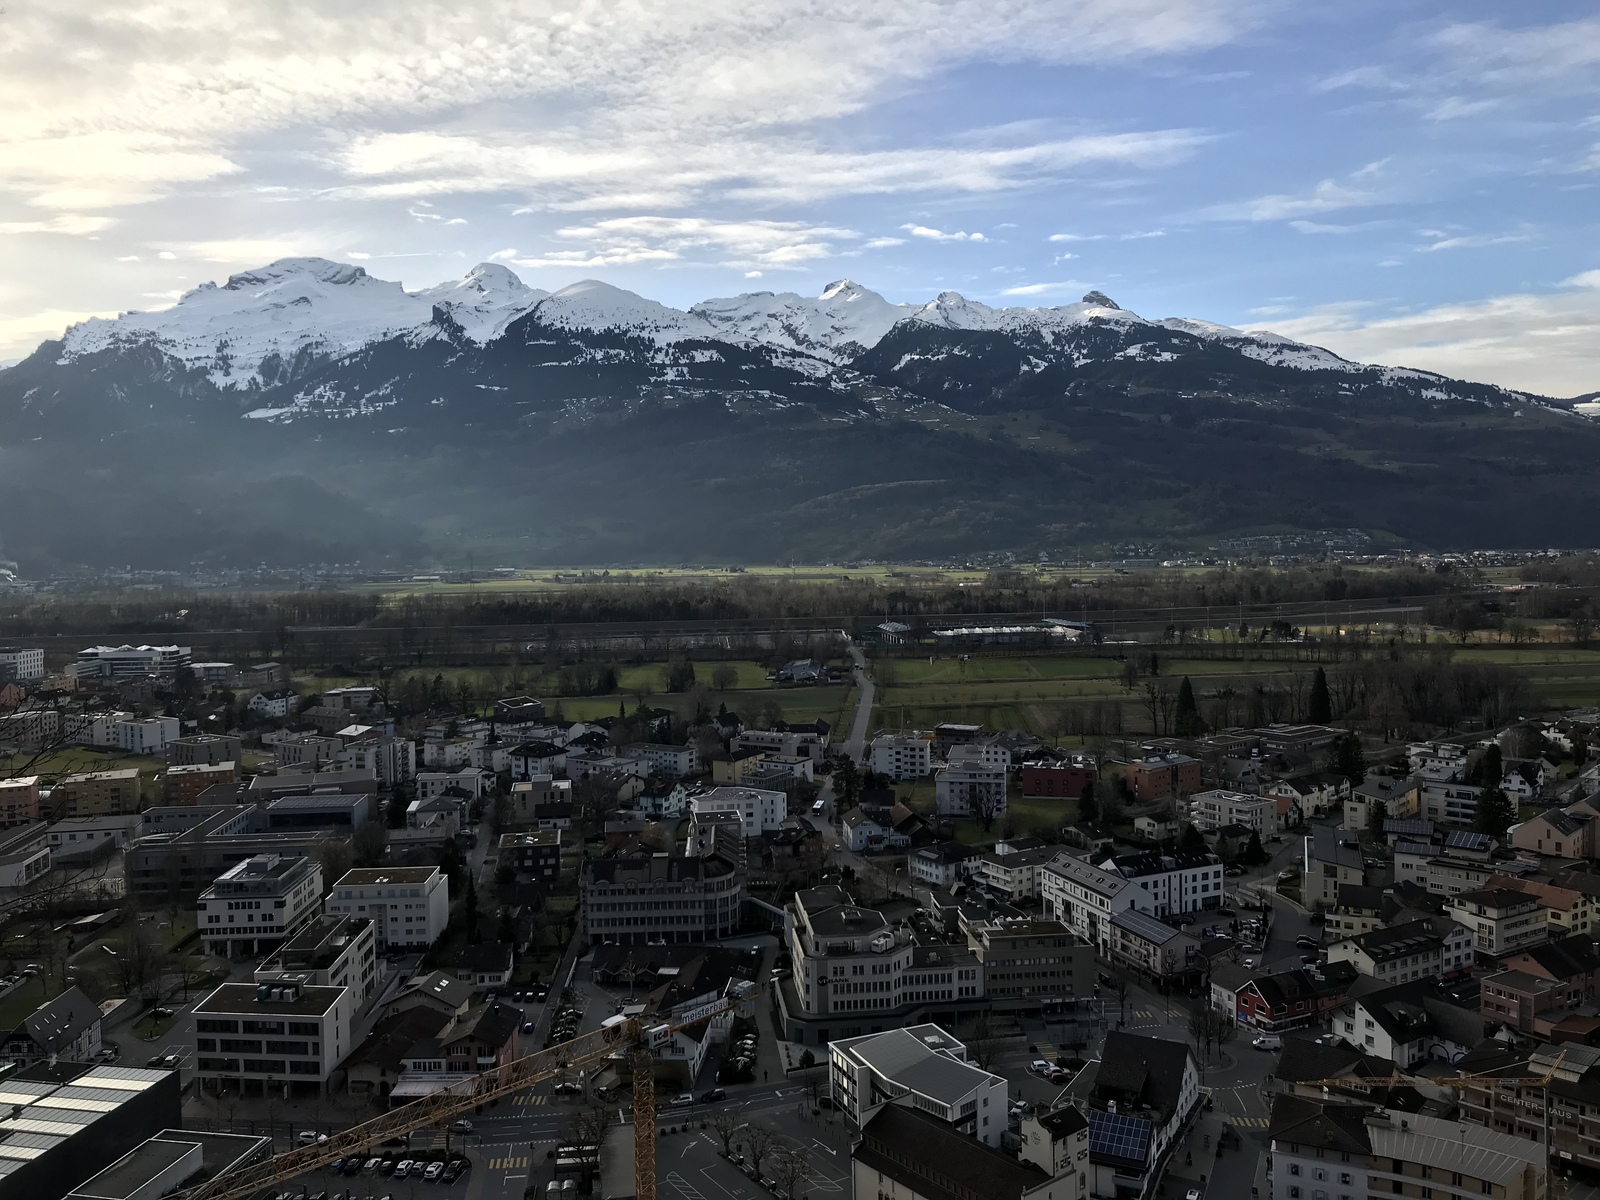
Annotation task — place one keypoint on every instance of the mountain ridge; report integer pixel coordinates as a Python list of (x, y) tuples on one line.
[(306, 412)]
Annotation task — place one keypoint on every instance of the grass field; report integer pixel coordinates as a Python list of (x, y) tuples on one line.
[(1031, 692), (74, 760)]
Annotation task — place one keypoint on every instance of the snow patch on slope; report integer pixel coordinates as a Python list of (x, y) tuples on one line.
[(952, 310), (599, 307), (485, 300)]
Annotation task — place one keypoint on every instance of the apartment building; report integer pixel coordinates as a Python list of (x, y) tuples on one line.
[(1447, 802), (1139, 1103), (254, 905), (409, 907), (19, 800), (1219, 807), (1497, 1102), (902, 756), (920, 1067), (1332, 860), (1153, 947), (183, 784), (1558, 833), (147, 735), (96, 794), (670, 762), (1353, 1151), (984, 753), (658, 898), (945, 865), (784, 743), (1057, 779), (1084, 897), (759, 810), (1502, 920), (1430, 948), (533, 801), (1034, 960), (1158, 776), (1014, 874), (30, 728), (1184, 881), (969, 789), (286, 1031), (537, 853)]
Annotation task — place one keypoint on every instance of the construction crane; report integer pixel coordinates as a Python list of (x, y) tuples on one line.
[(1489, 1078), (629, 1035)]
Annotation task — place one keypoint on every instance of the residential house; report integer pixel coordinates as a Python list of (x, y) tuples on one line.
[(1332, 859), (65, 1029), (1293, 999), (278, 704), (1139, 1098), (901, 756), (1501, 920), (1428, 948), (1396, 798), (532, 760), (871, 831), (1085, 897), (1015, 875), (1524, 780), (946, 864), (1158, 776), (912, 1155), (1153, 947), (1568, 910), (1558, 833), (968, 789), (437, 991), (670, 762), (1218, 807), (486, 965), (1409, 1024)]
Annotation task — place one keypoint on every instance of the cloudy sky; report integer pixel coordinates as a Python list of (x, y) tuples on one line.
[(1402, 181)]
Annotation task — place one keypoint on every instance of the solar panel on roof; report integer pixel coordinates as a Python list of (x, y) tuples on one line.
[(1463, 839), (1117, 1135)]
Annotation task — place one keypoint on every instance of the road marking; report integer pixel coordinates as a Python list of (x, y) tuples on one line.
[(508, 1163), (829, 1149), (684, 1188)]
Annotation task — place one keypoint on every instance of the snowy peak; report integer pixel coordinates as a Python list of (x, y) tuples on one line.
[(314, 270), (484, 300), (952, 310), (600, 307), (837, 325)]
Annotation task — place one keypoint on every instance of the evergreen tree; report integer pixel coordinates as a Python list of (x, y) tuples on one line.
[(1319, 710), (1088, 806), (1495, 813), (469, 910), (1491, 767), (1186, 719), (1376, 814), (1350, 760), (1255, 853), (1192, 838)]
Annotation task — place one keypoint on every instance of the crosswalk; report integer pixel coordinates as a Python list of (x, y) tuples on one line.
[(511, 1162), (1250, 1122), (527, 1098)]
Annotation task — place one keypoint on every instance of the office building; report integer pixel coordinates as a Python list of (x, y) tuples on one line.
[(282, 1034), (409, 906), (129, 662), (254, 905), (185, 847), (659, 898), (85, 839), (1032, 960), (182, 784), (919, 1067), (24, 856), (25, 666), (328, 952)]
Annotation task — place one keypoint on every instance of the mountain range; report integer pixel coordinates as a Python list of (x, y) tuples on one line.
[(309, 412)]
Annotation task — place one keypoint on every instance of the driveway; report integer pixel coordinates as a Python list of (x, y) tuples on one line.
[(855, 744)]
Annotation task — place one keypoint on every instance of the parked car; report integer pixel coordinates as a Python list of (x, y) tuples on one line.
[(1233, 872), (435, 1169), (452, 1171), (310, 1137), (1250, 964), (1192, 1194), (1308, 942), (566, 1088), (1039, 1067), (372, 1166), (336, 1166), (403, 1168), (1268, 1041), (683, 1100), (713, 1096)]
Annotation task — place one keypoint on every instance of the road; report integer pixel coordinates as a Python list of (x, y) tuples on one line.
[(855, 744)]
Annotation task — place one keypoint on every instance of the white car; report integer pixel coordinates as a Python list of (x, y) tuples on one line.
[(1039, 1067), (1192, 1194), (683, 1100), (403, 1168), (310, 1137), (435, 1169), (461, 1126)]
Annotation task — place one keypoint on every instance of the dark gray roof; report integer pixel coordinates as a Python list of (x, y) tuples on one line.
[(937, 1162), (1138, 1070), (54, 1024), (1317, 1123)]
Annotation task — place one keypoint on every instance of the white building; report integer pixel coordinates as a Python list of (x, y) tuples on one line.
[(945, 865), (982, 753), (82, 837), (147, 735), (902, 756), (788, 743), (1448, 803), (409, 906), (286, 1031), (469, 780), (392, 760), (277, 704), (1184, 881), (761, 811), (1219, 807), (969, 789), (328, 952), (93, 728), (257, 903), (1430, 948), (919, 1067), (21, 665), (672, 762), (128, 662), (1447, 760), (1084, 897)]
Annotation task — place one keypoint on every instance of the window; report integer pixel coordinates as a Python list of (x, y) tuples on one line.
[(1294, 1168), (1344, 1178)]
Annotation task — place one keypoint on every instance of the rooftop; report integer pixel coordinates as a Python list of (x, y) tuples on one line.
[(245, 998), (938, 1162), (919, 1059), (367, 876)]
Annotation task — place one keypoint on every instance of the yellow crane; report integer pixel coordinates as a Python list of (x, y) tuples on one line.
[(631, 1036)]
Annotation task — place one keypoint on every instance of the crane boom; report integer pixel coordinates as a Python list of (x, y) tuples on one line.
[(628, 1034)]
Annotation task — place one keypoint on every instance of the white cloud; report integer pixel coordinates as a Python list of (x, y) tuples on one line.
[(1039, 289), (939, 235), (71, 224), (1327, 196), (1547, 343), (1317, 227), (1473, 241), (751, 244), (879, 243)]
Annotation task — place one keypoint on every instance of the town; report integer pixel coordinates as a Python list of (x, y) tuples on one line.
[(281, 933)]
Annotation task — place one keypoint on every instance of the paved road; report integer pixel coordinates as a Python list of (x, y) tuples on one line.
[(855, 744)]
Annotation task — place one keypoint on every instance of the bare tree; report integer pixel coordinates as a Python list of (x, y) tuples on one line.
[(984, 1040), (725, 1124), (589, 1125), (788, 1170), (759, 1142)]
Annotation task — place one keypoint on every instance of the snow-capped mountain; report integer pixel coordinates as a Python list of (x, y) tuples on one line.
[(837, 325), (244, 334), (299, 306)]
